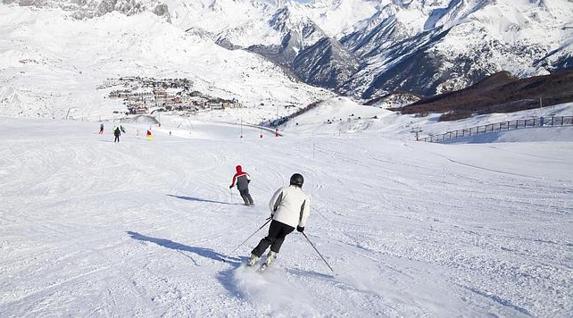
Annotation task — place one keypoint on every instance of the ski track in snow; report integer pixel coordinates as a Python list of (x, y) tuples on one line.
[(139, 228)]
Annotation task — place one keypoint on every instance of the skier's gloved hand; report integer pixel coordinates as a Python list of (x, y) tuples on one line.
[(231, 186), (300, 228)]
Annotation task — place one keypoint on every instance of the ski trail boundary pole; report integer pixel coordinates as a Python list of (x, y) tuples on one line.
[(325, 262), (245, 241)]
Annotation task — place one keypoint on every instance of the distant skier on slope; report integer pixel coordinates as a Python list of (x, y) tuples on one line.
[(290, 208), (242, 179), (116, 133), (101, 129)]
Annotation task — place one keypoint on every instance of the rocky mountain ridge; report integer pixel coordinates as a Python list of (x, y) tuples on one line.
[(367, 49)]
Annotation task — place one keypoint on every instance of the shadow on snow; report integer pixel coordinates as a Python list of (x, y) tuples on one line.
[(200, 200), (224, 277)]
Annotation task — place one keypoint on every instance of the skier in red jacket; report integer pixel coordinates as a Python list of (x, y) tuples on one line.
[(242, 179)]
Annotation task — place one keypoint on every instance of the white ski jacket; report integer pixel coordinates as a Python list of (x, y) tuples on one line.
[(291, 206)]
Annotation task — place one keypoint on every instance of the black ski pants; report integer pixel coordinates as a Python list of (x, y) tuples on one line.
[(277, 233), (246, 197), (116, 139)]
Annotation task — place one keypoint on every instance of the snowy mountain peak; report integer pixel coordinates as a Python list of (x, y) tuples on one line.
[(96, 8), (361, 48)]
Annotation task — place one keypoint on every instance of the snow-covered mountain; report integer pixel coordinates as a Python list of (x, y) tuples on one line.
[(370, 48), (94, 8), (361, 48), (51, 64), (432, 47)]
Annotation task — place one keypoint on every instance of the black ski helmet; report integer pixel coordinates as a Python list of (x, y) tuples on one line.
[(296, 180)]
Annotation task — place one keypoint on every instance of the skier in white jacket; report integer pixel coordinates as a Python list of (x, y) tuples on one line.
[(290, 208)]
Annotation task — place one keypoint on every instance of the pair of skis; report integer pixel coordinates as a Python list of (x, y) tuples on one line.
[(263, 267), (264, 264)]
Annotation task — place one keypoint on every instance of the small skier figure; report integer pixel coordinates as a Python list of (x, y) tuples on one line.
[(116, 133), (101, 129), (242, 179), (290, 208)]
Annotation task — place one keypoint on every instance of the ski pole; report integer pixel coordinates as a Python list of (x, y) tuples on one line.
[(325, 262), (245, 241)]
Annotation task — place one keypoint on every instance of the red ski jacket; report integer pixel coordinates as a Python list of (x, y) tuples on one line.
[(241, 178)]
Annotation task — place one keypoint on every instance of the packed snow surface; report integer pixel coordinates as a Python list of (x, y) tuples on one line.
[(139, 228)]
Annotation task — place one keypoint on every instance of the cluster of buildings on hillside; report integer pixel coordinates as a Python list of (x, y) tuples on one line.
[(143, 95)]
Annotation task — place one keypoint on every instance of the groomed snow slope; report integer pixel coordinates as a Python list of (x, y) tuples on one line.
[(92, 228), (341, 115)]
